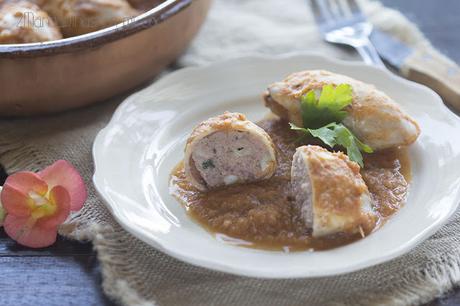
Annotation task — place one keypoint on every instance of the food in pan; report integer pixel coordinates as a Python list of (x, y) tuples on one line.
[(76, 17), (29, 21), (342, 167), (226, 150), (25, 22)]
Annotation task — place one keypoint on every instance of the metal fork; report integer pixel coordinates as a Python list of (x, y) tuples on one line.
[(342, 22)]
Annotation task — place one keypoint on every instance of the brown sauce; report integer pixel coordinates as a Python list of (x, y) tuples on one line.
[(262, 215)]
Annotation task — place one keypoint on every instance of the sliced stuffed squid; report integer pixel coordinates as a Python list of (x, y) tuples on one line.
[(330, 193), (372, 116), (228, 149)]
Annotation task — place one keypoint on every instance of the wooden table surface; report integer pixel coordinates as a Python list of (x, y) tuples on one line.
[(67, 273)]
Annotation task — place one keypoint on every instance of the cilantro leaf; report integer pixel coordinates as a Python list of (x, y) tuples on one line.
[(304, 131), (322, 116), (317, 112), (334, 134), (326, 135), (337, 134), (296, 128)]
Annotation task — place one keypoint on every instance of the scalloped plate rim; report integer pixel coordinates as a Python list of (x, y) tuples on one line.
[(423, 235)]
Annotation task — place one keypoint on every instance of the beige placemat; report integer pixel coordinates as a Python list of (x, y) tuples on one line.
[(136, 274)]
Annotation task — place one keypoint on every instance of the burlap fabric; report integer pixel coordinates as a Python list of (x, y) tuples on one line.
[(136, 274)]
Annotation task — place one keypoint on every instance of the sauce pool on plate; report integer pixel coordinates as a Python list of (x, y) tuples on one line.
[(263, 215)]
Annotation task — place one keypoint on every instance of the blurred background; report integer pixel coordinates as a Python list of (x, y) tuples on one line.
[(74, 265), (438, 20)]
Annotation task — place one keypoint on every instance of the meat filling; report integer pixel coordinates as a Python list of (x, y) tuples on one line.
[(302, 189), (230, 156), (330, 194)]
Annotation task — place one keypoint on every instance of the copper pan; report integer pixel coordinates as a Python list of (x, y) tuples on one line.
[(54, 76)]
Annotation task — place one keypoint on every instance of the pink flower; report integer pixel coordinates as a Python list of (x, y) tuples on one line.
[(37, 203), (2, 211)]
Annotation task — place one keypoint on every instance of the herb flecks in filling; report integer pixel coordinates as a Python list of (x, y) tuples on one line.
[(322, 119), (208, 164)]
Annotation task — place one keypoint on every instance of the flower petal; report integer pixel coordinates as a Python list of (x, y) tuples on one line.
[(15, 202), (15, 193), (2, 210), (61, 198), (19, 229), (64, 174), (26, 181)]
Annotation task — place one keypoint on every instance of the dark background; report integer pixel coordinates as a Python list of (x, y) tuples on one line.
[(68, 273)]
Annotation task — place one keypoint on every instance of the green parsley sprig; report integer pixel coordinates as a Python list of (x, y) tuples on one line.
[(322, 119)]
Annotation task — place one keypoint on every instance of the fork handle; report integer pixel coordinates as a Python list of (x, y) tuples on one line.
[(436, 71), (369, 54)]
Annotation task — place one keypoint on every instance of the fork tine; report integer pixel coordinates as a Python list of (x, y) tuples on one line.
[(345, 8), (349, 26), (354, 7), (317, 12), (334, 7), (340, 10), (321, 12), (323, 6), (330, 14)]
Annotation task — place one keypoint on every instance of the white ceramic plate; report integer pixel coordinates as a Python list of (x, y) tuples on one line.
[(145, 139)]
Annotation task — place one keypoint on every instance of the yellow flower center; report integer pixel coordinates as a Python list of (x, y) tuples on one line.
[(41, 205)]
